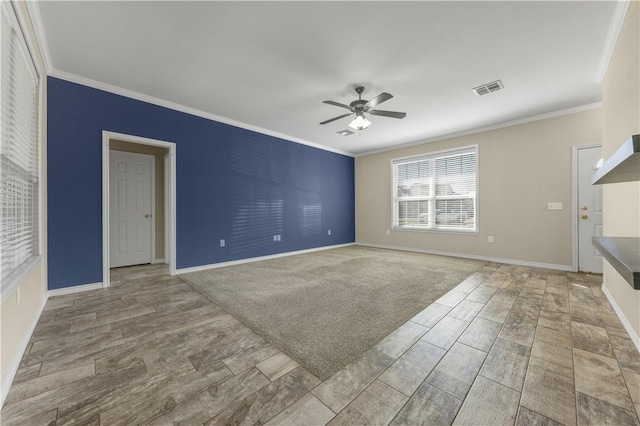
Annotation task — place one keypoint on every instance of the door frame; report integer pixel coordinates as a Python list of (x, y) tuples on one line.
[(152, 207), (574, 199), (170, 200)]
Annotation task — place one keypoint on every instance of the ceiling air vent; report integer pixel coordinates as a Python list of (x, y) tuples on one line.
[(345, 132), (488, 88)]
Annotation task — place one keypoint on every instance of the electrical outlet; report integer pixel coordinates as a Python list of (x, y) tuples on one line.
[(388, 232), (329, 232), (490, 239), (275, 238), (222, 243), (279, 237), (556, 205)]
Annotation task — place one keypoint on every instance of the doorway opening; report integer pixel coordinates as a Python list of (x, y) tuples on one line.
[(587, 208), (138, 202)]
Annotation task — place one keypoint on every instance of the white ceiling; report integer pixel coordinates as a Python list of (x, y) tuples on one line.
[(271, 64)]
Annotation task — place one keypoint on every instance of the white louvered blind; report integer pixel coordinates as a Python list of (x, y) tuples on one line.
[(436, 191), (19, 159)]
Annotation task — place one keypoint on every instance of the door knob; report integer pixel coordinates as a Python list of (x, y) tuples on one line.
[(584, 216), (583, 208), (146, 216)]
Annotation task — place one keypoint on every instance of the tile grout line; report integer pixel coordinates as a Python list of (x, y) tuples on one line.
[(447, 350), (526, 374), (573, 355), (485, 360)]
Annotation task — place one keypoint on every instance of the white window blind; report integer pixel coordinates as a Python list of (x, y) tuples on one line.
[(19, 159), (436, 191)]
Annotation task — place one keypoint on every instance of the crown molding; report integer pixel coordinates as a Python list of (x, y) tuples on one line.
[(188, 110), (612, 38), (546, 116)]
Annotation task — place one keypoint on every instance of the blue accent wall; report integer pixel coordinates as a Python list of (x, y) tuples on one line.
[(231, 184)]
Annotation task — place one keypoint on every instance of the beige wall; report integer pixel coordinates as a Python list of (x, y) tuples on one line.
[(621, 119), (158, 154), (521, 169), (18, 317)]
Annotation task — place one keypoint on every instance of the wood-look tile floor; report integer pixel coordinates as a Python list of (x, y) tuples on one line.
[(509, 345)]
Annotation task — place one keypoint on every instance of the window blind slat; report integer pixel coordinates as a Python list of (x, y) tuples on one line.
[(19, 162)]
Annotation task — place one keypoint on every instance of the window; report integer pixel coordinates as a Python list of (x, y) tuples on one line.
[(19, 159), (436, 191)]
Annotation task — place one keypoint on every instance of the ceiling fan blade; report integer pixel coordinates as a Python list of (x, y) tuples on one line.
[(338, 104), (336, 118), (392, 114), (384, 96)]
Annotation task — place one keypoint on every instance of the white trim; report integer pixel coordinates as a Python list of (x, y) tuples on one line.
[(153, 208), (7, 380), (74, 289), (156, 261), (612, 38), (475, 257), (170, 215), (256, 259), (574, 205), (167, 167), (106, 255), (188, 110), (625, 323), (36, 20), (546, 116), (574, 201)]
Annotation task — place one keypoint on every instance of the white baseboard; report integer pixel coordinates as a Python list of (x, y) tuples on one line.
[(256, 259), (567, 268), (625, 323), (7, 380), (153, 262), (74, 289)]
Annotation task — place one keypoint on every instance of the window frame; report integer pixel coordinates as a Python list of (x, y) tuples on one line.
[(433, 198), (20, 273)]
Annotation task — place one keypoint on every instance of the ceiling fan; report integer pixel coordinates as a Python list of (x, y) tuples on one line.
[(361, 106)]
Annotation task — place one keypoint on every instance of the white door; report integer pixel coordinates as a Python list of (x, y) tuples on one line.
[(130, 208), (589, 210)]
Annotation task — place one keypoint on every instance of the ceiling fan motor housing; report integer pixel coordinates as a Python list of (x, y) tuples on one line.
[(358, 106)]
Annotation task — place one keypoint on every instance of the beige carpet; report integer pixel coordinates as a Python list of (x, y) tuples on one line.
[(326, 308)]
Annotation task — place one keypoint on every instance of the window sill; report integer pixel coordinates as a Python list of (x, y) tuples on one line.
[(436, 231)]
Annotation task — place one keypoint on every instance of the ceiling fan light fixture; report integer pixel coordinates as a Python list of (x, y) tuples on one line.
[(360, 122)]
